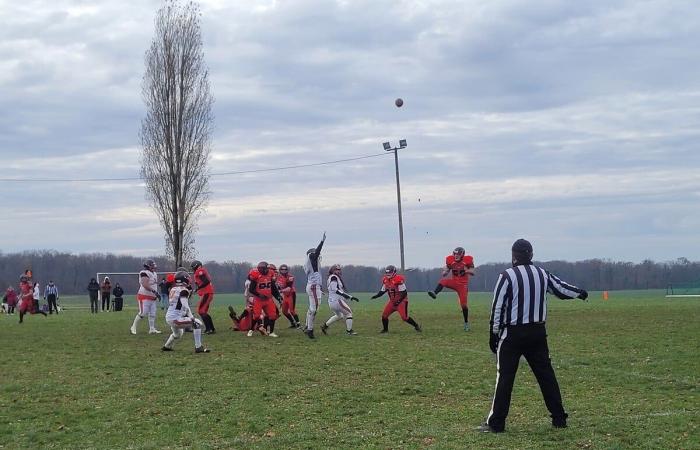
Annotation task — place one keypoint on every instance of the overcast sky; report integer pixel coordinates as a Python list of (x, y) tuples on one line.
[(572, 124)]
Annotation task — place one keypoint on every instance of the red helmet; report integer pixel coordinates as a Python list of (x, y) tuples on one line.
[(458, 253), (390, 271), (263, 267)]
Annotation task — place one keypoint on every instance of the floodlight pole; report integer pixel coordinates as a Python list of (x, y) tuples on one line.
[(389, 148)]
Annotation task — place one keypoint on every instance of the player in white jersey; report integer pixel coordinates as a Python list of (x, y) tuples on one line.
[(146, 297), (313, 285), (179, 315), (336, 301)]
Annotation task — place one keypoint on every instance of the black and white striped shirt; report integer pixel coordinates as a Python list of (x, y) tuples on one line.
[(520, 296), (51, 289)]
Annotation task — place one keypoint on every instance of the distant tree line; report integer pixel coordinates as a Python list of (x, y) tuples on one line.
[(72, 272)]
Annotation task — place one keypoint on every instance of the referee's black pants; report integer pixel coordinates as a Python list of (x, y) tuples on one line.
[(529, 341)]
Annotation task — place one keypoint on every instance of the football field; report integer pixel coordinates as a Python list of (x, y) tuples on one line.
[(628, 368)]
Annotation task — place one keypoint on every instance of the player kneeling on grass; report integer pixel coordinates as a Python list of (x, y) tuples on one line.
[(395, 285), (336, 301), (179, 315)]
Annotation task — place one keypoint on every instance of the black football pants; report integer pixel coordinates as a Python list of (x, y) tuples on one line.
[(529, 341)]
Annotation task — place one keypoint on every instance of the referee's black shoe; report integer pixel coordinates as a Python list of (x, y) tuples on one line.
[(486, 428)]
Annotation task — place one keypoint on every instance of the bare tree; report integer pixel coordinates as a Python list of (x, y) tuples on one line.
[(175, 135)]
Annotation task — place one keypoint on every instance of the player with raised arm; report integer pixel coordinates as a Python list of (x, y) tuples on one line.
[(395, 285), (285, 284), (179, 315), (461, 267), (263, 288), (313, 285), (146, 297), (336, 301), (205, 290)]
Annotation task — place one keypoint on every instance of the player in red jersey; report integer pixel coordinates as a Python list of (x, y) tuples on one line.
[(205, 290), (26, 296), (461, 267), (263, 287), (285, 284), (395, 285)]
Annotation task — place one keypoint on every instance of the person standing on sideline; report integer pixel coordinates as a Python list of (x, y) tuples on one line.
[(51, 296), (118, 293), (147, 297), (11, 298), (93, 288), (164, 289), (105, 291), (395, 285), (313, 285), (205, 290), (462, 267), (518, 315), (336, 301)]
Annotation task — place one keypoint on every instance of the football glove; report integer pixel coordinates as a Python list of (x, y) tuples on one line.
[(375, 296), (493, 342), (355, 299), (583, 295)]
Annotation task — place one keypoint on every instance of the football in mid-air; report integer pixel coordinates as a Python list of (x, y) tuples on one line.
[(398, 102)]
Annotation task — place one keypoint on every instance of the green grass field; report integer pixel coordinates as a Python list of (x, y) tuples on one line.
[(628, 367)]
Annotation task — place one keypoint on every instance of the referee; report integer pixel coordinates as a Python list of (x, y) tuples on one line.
[(517, 329)]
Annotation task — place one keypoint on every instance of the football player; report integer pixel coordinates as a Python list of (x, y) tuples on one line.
[(205, 290), (313, 284), (146, 297), (285, 284), (336, 301), (461, 267), (26, 296), (395, 285), (179, 315), (263, 288)]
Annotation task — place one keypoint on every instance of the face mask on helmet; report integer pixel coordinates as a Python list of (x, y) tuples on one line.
[(284, 269), (195, 264), (458, 253), (390, 271), (263, 268), (150, 264)]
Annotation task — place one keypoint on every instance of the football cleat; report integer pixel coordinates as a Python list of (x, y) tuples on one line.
[(324, 328), (432, 294), (153, 331), (310, 334), (418, 328), (210, 332), (201, 349), (133, 330), (383, 331), (250, 333), (350, 332), (466, 326), (166, 349), (294, 326), (486, 428), (273, 335)]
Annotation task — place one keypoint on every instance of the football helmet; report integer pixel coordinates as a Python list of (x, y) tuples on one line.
[(182, 277), (284, 269), (196, 264), (335, 269), (272, 267), (311, 251), (23, 278), (458, 253), (150, 264), (263, 267), (390, 271)]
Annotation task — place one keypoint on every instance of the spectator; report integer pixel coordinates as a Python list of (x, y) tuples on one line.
[(11, 296), (105, 291), (36, 296), (118, 293), (51, 296), (5, 309), (93, 288), (164, 289)]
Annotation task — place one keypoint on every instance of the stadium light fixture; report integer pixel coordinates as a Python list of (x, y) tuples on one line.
[(387, 146)]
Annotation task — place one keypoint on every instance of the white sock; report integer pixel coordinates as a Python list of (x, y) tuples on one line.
[(170, 340), (331, 320), (348, 324), (197, 332), (152, 322), (137, 319), (310, 320)]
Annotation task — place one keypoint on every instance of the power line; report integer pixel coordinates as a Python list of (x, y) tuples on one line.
[(216, 174)]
